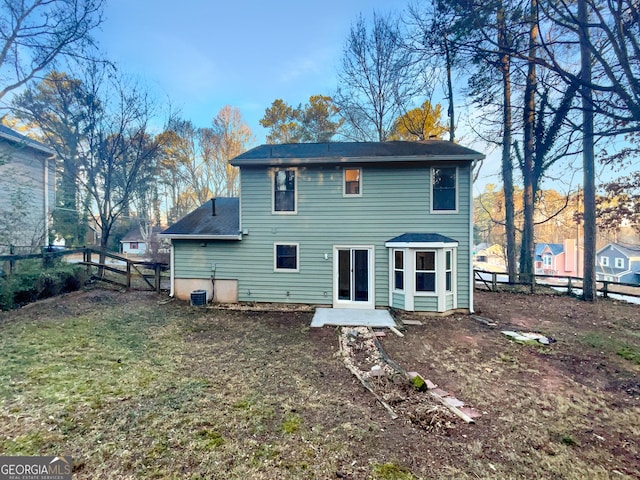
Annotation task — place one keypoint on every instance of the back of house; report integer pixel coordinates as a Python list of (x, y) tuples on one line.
[(353, 225)]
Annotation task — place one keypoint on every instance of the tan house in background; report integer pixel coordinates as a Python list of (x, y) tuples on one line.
[(490, 258)]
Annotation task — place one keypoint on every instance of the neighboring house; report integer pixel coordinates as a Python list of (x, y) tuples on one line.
[(353, 225), (489, 256), (27, 190), (136, 244), (558, 259), (618, 263)]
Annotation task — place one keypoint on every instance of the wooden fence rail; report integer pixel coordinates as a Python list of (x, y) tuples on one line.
[(132, 268), (563, 282)]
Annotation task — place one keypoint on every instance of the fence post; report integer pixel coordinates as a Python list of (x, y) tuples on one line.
[(87, 259), (156, 268), (605, 290), (569, 287), (128, 274), (11, 262), (494, 282)]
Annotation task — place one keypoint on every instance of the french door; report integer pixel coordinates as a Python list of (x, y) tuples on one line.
[(353, 277)]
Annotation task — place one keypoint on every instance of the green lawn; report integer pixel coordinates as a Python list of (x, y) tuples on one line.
[(134, 386)]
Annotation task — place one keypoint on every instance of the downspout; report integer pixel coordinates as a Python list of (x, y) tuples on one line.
[(46, 201), (471, 274), (172, 269)]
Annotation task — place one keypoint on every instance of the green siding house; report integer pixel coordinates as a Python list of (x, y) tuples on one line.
[(347, 225)]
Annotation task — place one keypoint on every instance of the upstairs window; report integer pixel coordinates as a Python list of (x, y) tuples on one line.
[(619, 262), (443, 189), (284, 191), (352, 182), (604, 261), (546, 260)]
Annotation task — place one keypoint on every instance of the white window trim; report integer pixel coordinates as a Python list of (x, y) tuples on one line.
[(453, 271), (275, 257), (547, 260), (273, 192), (619, 262), (604, 261), (337, 303), (344, 182), (420, 293), (403, 270), (444, 212)]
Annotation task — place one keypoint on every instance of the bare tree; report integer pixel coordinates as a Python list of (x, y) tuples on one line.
[(231, 137), (377, 80), (120, 151), (34, 33)]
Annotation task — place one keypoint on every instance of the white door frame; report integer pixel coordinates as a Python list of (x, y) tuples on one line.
[(338, 303)]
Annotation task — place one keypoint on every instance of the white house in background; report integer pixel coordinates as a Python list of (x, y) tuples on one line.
[(135, 243), (27, 191)]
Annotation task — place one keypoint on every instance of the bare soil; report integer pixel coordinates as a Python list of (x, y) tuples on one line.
[(133, 385)]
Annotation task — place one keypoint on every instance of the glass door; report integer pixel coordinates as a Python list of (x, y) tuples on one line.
[(354, 282)]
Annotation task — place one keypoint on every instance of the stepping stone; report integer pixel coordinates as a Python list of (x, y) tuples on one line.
[(440, 392), (470, 412), (454, 402)]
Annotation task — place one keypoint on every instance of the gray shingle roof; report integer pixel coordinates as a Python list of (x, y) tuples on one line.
[(134, 235), (11, 135), (556, 249), (421, 238), (355, 152), (628, 250), (202, 224)]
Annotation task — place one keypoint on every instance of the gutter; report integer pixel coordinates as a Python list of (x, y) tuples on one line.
[(189, 236), (343, 160), (26, 141)]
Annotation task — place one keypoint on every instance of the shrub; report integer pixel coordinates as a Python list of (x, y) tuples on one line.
[(32, 283)]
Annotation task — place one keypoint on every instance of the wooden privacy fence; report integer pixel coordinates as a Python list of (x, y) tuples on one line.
[(491, 280), (122, 270)]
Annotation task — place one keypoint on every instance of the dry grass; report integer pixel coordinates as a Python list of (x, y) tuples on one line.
[(133, 387)]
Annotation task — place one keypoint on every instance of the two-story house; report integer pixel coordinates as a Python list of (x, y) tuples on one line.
[(558, 259), (27, 191), (353, 225), (618, 263)]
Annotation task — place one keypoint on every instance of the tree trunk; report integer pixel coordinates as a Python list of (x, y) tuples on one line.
[(589, 291), (452, 123), (528, 248), (507, 165)]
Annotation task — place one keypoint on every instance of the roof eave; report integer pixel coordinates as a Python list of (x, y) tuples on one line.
[(28, 143), (421, 244), (367, 159), (189, 236)]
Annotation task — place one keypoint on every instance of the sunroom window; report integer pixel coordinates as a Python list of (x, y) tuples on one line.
[(426, 271), (398, 270)]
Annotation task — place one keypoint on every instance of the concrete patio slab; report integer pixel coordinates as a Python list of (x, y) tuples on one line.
[(352, 317)]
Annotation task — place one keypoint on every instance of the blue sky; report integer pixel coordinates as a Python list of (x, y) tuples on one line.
[(202, 55), (199, 56)]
